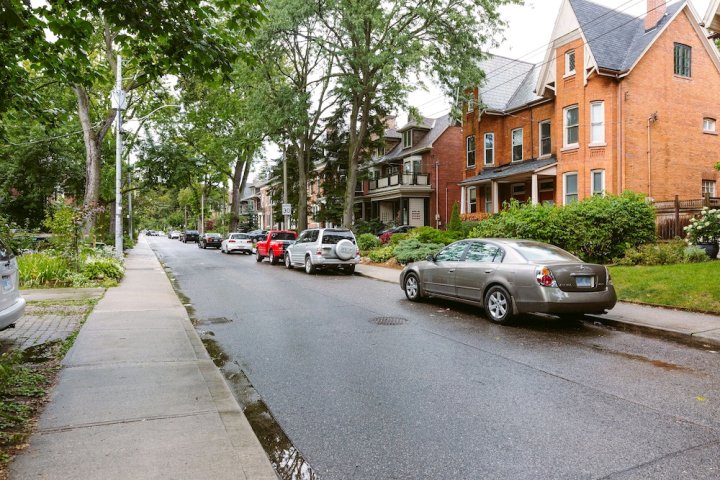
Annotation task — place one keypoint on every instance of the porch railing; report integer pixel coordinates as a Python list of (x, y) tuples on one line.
[(399, 179)]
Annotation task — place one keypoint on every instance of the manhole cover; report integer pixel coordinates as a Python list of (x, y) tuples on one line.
[(388, 320)]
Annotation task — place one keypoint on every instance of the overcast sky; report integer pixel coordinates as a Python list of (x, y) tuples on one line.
[(526, 38)]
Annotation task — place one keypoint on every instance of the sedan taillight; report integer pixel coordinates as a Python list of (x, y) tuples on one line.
[(544, 277)]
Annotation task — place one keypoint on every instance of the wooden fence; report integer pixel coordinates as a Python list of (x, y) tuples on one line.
[(673, 215)]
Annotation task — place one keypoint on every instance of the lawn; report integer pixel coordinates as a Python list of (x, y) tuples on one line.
[(691, 286)]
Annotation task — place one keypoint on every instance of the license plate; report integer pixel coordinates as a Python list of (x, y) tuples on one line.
[(6, 284), (585, 281)]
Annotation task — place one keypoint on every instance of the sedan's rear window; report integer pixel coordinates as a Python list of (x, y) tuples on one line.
[(334, 236), (534, 252), (241, 236), (214, 235)]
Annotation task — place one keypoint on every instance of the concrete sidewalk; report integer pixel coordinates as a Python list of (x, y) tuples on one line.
[(139, 397), (688, 325)]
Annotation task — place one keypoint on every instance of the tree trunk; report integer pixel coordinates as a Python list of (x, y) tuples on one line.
[(93, 160), (240, 175), (302, 154), (358, 132)]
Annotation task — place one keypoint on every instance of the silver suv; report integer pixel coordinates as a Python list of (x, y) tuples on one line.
[(12, 305), (318, 248)]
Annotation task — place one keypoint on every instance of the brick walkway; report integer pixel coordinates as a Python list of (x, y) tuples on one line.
[(41, 324)]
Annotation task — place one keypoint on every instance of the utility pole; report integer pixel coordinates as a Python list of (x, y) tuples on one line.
[(118, 103)]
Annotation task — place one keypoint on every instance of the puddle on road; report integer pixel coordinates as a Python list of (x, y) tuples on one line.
[(287, 461), (631, 356)]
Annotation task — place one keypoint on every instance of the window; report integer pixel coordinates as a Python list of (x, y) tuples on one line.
[(411, 165), (709, 125), (517, 144), (472, 200), (571, 126), (517, 189), (597, 182), (489, 148), (597, 122), (452, 253), (545, 143), (470, 105), (683, 57), (488, 199), (471, 151), (407, 138), (482, 252), (570, 62), (547, 186), (570, 187), (708, 187)]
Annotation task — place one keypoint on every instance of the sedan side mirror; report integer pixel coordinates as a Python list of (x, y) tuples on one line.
[(430, 258)]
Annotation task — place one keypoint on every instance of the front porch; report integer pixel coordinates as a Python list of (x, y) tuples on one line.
[(529, 180)]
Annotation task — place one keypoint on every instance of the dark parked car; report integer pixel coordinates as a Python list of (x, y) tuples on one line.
[(190, 236), (508, 277), (210, 240), (12, 305)]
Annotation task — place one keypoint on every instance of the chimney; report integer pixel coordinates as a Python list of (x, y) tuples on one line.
[(655, 12)]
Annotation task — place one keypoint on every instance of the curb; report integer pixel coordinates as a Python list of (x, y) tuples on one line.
[(692, 339)]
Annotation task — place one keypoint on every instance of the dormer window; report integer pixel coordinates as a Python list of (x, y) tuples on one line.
[(570, 63), (407, 138)]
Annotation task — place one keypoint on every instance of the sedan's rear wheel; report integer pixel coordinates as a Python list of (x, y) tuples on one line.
[(498, 305), (412, 287), (309, 267), (288, 263)]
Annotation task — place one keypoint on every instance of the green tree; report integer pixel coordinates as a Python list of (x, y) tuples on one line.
[(455, 224)]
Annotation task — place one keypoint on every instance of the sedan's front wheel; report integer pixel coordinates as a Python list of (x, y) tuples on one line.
[(498, 305), (412, 287)]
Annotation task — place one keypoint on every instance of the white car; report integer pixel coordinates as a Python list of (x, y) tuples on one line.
[(324, 248), (237, 242), (12, 305)]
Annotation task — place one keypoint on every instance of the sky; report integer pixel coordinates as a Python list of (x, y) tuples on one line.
[(526, 37)]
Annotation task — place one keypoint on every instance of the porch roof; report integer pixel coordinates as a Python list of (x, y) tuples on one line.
[(511, 170)]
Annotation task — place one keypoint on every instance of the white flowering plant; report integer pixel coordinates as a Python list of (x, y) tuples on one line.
[(705, 229)]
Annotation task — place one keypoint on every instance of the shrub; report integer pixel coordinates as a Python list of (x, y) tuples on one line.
[(596, 229), (666, 253), (42, 269), (412, 250), (433, 235), (367, 241), (706, 229), (455, 224), (382, 254), (373, 226), (102, 268), (695, 255)]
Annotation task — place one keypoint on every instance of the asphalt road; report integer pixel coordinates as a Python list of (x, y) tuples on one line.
[(370, 386)]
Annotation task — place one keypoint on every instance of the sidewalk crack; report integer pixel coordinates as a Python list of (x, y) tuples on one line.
[(80, 426)]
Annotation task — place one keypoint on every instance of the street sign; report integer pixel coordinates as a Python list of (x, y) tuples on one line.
[(287, 209)]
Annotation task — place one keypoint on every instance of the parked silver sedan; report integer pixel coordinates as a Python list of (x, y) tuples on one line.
[(508, 277), (12, 305)]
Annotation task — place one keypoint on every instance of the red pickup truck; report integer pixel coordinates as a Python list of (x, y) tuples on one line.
[(273, 246)]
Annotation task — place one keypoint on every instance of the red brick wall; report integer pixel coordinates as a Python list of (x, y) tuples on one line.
[(449, 152)]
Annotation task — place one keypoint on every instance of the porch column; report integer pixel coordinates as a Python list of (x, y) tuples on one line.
[(462, 200), (534, 187), (495, 196)]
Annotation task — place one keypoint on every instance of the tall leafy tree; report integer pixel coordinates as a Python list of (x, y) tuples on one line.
[(379, 46)]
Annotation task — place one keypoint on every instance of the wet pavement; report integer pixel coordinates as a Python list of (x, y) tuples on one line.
[(367, 385)]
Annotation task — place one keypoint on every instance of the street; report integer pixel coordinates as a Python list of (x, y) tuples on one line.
[(367, 385)]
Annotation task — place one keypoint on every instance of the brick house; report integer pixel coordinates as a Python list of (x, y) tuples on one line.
[(619, 103), (414, 179)]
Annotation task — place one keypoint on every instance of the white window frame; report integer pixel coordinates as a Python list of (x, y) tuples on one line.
[(492, 148), (467, 151), (709, 125), (682, 60), (472, 200), (594, 192), (517, 189), (513, 145), (549, 137), (407, 139), (566, 127), (599, 123), (488, 199), (565, 190), (570, 54), (412, 165), (709, 186)]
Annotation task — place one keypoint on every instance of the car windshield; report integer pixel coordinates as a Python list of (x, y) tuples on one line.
[(535, 252), (283, 236), (334, 236)]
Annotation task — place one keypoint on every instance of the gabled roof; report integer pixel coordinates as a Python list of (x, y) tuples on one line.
[(617, 40), (423, 124), (712, 17), (437, 127), (508, 83)]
